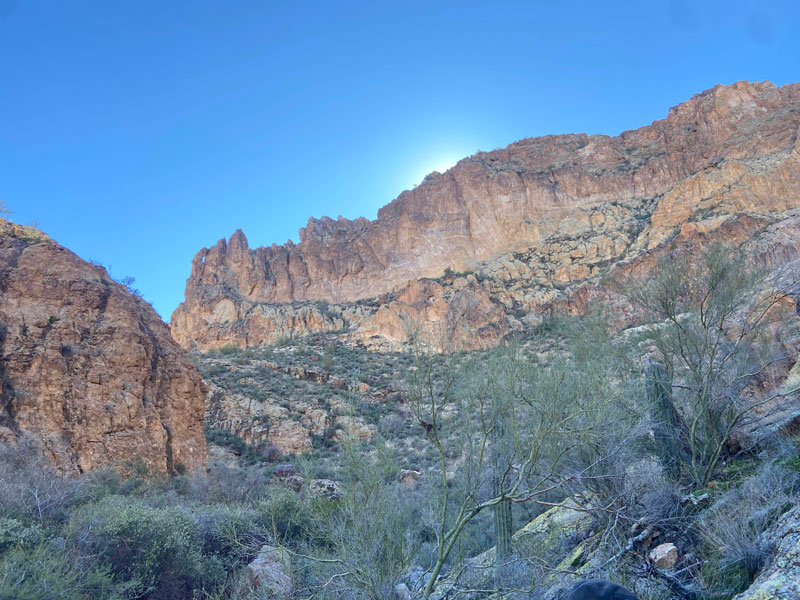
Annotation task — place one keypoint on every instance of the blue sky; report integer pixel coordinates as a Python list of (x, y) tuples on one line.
[(136, 133)]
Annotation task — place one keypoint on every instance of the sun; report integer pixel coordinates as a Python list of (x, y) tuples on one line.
[(439, 164)]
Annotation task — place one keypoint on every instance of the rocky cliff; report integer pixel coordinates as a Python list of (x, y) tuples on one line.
[(481, 249), (88, 370)]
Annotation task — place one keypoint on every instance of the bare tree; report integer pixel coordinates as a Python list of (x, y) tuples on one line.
[(511, 431), (716, 330), (365, 532)]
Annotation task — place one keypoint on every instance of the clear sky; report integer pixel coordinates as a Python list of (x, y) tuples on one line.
[(137, 132)]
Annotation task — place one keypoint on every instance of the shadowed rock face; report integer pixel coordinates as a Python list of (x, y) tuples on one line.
[(532, 221), (87, 368)]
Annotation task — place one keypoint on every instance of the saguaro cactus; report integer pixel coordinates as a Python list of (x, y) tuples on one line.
[(503, 528), (667, 420), (502, 523)]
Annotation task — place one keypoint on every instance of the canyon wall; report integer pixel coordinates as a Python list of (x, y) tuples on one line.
[(88, 370), (480, 250)]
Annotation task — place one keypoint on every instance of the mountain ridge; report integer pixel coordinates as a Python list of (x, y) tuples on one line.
[(579, 202)]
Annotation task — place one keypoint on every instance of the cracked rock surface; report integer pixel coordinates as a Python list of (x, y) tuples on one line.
[(88, 369)]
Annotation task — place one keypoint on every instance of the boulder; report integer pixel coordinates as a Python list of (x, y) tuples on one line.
[(664, 556), (293, 482), (409, 476), (401, 592), (270, 572), (324, 488)]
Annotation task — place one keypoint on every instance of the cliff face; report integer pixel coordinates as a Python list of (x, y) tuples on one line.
[(87, 368), (526, 225)]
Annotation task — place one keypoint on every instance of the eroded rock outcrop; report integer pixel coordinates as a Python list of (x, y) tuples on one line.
[(780, 579), (88, 369), (526, 226)]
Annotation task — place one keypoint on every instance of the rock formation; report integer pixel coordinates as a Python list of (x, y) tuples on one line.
[(780, 579), (88, 369), (509, 232), (288, 420)]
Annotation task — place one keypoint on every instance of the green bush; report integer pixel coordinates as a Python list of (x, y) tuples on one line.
[(45, 573), (158, 548), (14, 533), (229, 349), (285, 515)]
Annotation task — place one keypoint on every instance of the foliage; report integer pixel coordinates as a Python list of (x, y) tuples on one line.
[(525, 430), (366, 531), (46, 572), (733, 527), (31, 487), (159, 548), (715, 333)]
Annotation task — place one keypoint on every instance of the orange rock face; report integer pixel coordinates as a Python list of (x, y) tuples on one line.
[(524, 226), (87, 368)]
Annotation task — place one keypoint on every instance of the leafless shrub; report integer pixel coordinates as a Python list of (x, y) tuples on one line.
[(270, 452), (735, 525), (226, 483), (30, 484)]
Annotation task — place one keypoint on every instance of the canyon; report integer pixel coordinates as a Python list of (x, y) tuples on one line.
[(300, 353)]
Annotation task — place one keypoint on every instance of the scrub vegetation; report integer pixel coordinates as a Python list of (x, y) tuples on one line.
[(566, 454)]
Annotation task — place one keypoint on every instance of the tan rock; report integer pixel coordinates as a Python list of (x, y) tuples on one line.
[(664, 556), (89, 369), (401, 592), (409, 477), (271, 573), (287, 423)]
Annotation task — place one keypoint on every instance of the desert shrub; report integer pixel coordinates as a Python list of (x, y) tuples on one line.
[(102, 482), (45, 572), (269, 452), (231, 533), (734, 525), (31, 487), (715, 321), (392, 425), (285, 515), (229, 484), (366, 531), (15, 533), (661, 503), (229, 349), (215, 370), (157, 548), (553, 324)]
